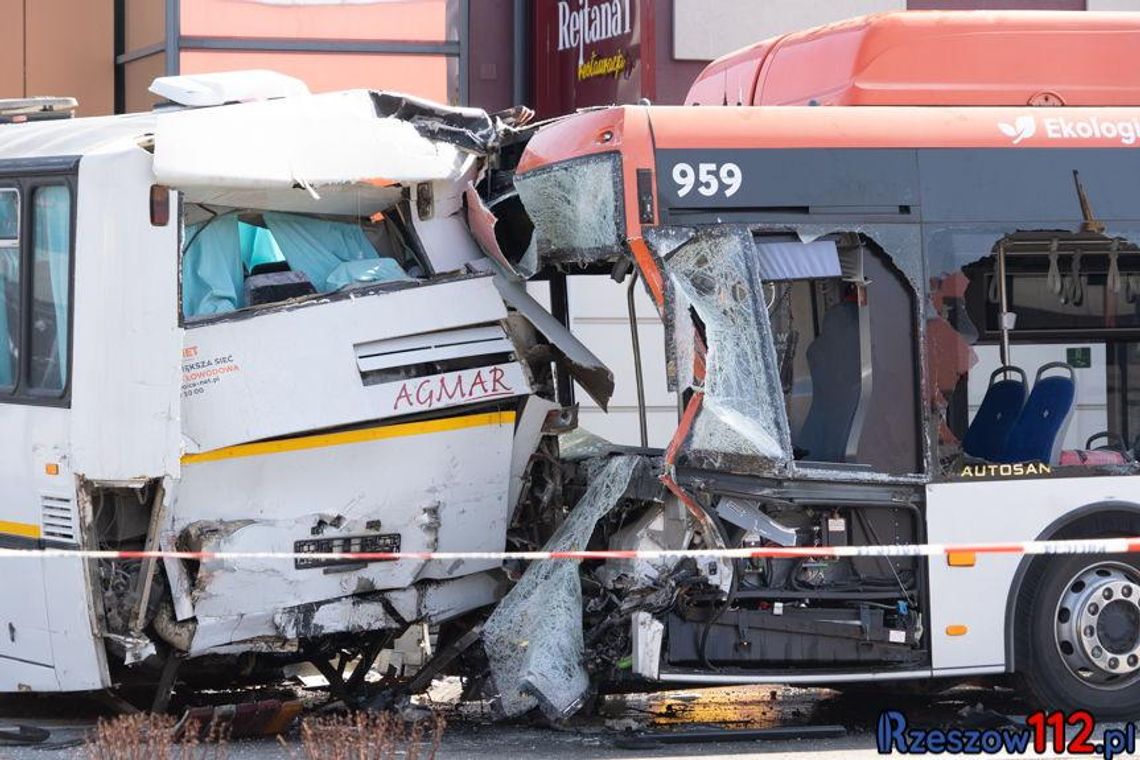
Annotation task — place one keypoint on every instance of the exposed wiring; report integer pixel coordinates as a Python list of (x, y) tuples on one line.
[(733, 589), (870, 530)]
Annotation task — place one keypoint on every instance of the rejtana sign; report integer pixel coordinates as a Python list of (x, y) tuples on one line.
[(587, 53), (589, 24)]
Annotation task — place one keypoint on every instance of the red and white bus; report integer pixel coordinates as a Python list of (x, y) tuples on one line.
[(914, 318)]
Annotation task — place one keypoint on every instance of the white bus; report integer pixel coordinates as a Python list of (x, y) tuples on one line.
[(263, 326)]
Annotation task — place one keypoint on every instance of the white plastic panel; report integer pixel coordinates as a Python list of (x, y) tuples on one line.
[(285, 371), (994, 511), (127, 341), (436, 346), (439, 489), (328, 139)]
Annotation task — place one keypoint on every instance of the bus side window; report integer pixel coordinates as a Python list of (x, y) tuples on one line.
[(51, 274), (9, 285)]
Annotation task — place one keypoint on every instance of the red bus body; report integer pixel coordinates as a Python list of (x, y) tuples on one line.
[(977, 58)]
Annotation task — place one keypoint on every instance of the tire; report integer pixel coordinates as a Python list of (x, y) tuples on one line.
[(1070, 656)]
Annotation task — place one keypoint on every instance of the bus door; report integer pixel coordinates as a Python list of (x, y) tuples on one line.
[(35, 274)]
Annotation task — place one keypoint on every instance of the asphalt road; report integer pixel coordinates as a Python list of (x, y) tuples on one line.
[(605, 733)]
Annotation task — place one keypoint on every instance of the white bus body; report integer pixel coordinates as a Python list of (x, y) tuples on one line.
[(375, 412)]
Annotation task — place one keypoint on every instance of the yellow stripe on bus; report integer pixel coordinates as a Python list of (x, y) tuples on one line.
[(26, 530), (352, 436)]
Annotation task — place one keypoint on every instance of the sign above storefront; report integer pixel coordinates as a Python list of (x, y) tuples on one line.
[(590, 53)]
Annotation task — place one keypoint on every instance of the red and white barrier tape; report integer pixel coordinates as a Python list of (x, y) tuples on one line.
[(1076, 546)]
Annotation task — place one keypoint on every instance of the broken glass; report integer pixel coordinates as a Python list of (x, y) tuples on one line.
[(1076, 285), (743, 409), (675, 316), (576, 207), (534, 639)]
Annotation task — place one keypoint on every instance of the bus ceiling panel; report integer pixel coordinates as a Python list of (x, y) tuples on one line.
[(350, 199)]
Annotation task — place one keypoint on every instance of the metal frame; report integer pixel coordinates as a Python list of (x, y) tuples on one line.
[(311, 45), (27, 176), (173, 35), (520, 84), (139, 53)]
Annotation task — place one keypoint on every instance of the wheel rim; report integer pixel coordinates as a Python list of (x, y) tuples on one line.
[(1097, 626)]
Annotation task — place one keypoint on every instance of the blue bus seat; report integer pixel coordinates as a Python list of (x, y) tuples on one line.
[(1040, 428), (988, 433), (836, 377)]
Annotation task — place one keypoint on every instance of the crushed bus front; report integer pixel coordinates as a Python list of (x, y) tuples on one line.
[(294, 331)]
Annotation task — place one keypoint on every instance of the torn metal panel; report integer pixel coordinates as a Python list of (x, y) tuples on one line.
[(355, 614), (590, 372), (444, 490), (743, 411), (528, 432), (446, 600), (534, 638), (481, 221), (483, 224), (214, 632), (469, 129)]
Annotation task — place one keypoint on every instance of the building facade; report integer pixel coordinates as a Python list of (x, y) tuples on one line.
[(555, 54)]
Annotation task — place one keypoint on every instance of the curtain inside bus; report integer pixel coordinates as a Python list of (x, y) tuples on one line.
[(51, 255), (331, 254), (222, 251), (212, 273), (258, 246), (9, 313)]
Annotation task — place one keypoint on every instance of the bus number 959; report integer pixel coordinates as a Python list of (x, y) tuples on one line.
[(709, 179)]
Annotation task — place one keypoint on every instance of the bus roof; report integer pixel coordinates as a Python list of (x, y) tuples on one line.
[(936, 58), (637, 131), (73, 137)]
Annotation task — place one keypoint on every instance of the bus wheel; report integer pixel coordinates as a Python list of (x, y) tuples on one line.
[(1080, 630)]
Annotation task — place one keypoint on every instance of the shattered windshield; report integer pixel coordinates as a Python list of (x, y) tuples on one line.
[(714, 271), (801, 341)]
